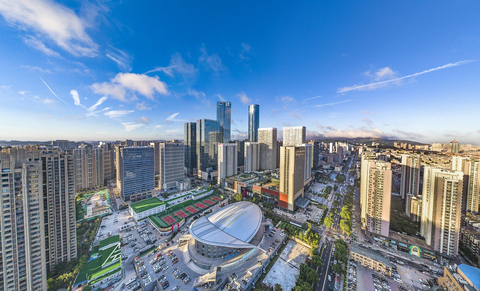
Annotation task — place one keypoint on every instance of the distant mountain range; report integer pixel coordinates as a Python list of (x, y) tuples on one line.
[(369, 140)]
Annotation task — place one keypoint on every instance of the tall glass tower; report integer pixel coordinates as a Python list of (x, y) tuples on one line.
[(224, 117), (253, 122), (208, 137)]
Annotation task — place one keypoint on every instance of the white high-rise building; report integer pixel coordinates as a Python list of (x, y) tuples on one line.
[(252, 156), (294, 135), (379, 193), (410, 182), (227, 160), (307, 172), (471, 176), (364, 182), (292, 166), (267, 137), (89, 167), (441, 209)]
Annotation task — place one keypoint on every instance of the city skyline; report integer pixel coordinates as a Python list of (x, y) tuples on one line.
[(92, 72)]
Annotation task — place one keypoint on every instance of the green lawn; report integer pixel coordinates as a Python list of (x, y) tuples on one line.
[(146, 204), (108, 241)]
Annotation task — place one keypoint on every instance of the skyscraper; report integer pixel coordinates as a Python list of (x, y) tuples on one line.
[(156, 149), (224, 117), (367, 157), (59, 207), (208, 136), (171, 165), (455, 146), (227, 161), (267, 137), (410, 183), (441, 209), (252, 156), (240, 152), (135, 172), (89, 166), (294, 135), (292, 166), (315, 153), (108, 161), (22, 246), (471, 176), (379, 192), (190, 142), (253, 122), (307, 173)]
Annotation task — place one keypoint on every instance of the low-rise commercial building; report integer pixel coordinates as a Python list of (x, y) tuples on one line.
[(465, 277), (371, 260), (144, 208)]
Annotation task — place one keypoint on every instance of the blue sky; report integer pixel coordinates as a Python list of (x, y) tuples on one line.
[(112, 70)]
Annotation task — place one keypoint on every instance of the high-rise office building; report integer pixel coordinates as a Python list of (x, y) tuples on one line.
[(89, 166), (379, 192), (253, 122), (208, 136), (135, 172), (410, 183), (292, 166), (455, 146), (308, 161), (471, 176), (414, 207), (190, 142), (224, 117), (64, 145), (22, 247), (441, 209), (252, 156), (267, 137), (330, 147), (294, 135), (171, 165), (227, 161)]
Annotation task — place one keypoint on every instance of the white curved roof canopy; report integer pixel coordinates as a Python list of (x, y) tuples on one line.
[(234, 226)]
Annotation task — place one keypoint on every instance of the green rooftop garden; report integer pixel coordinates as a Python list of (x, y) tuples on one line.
[(146, 204), (108, 241)]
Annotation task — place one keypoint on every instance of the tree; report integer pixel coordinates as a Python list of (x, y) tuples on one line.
[(346, 226), (238, 197), (302, 286), (317, 261), (335, 188), (340, 178), (87, 288), (278, 287), (328, 221), (338, 269)]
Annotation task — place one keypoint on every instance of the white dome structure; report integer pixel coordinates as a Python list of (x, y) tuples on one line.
[(232, 227)]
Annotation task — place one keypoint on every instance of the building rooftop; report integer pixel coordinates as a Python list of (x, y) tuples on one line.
[(367, 253), (472, 274), (146, 204), (109, 241), (233, 226)]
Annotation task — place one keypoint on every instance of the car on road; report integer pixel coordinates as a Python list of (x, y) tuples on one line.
[(329, 278)]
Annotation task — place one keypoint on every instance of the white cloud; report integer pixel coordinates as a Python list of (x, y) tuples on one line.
[(212, 62), (121, 58), (220, 97), (172, 117), (368, 121), (144, 120), (333, 103), (384, 73), (117, 113), (243, 98), (129, 82), (200, 96), (36, 68), (312, 98), (168, 131), (157, 127), (376, 85), (352, 132), (76, 98), (246, 48), (52, 91), (51, 21), (91, 110), (98, 103), (177, 65), (38, 45), (129, 126), (22, 92), (142, 106)]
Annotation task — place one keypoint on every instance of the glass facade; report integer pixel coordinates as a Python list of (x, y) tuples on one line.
[(190, 142), (224, 117), (208, 137), (253, 122), (137, 172)]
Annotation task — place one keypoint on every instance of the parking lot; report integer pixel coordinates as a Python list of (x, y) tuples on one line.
[(369, 280)]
